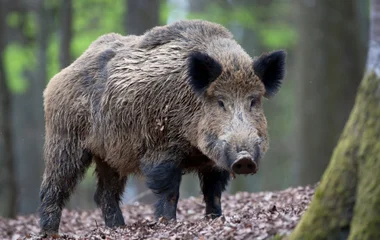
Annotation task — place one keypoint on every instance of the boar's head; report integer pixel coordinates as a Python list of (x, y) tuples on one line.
[(232, 130)]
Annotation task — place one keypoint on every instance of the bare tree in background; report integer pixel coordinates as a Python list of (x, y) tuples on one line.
[(329, 64), (66, 19), (142, 15), (29, 115), (8, 188), (346, 204), (37, 87)]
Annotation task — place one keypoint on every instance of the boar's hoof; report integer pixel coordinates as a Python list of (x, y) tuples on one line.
[(213, 215), (45, 234), (166, 220)]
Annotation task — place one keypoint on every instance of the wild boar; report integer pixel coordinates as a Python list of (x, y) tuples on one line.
[(181, 98)]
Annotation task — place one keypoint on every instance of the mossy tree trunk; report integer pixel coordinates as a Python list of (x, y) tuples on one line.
[(346, 204)]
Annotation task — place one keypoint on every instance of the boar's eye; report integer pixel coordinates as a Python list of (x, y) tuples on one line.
[(221, 104), (253, 102)]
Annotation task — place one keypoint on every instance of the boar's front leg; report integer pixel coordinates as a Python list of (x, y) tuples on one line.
[(213, 183), (164, 179)]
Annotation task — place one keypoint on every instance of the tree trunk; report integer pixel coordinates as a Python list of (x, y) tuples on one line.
[(142, 15), (30, 117), (65, 32), (329, 64), (347, 201), (8, 188)]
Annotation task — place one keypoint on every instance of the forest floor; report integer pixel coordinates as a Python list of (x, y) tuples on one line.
[(246, 216)]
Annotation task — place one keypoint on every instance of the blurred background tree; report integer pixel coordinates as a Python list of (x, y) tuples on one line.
[(326, 43), (8, 187), (141, 15), (330, 58)]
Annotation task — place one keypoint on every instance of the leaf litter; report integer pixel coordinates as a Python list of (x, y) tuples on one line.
[(245, 216)]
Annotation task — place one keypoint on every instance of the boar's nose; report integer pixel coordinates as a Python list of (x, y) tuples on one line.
[(244, 164)]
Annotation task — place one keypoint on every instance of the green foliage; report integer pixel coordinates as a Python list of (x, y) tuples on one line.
[(218, 14), (14, 19), (53, 56), (30, 27), (93, 19), (18, 59), (27, 22), (272, 34), (277, 36), (164, 12), (49, 4)]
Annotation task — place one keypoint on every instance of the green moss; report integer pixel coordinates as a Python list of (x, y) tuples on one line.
[(366, 220), (352, 177), (328, 214), (277, 237)]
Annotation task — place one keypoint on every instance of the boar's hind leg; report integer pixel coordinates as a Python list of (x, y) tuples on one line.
[(164, 180), (65, 165), (108, 193), (213, 183)]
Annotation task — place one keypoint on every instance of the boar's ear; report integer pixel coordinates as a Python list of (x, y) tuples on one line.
[(270, 68), (202, 70)]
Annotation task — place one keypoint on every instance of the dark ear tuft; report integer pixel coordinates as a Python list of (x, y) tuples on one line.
[(270, 68), (203, 70)]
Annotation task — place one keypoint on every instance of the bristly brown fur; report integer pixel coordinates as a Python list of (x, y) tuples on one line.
[(146, 101), (127, 100)]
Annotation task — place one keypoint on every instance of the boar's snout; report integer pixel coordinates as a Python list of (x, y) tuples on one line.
[(244, 164)]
